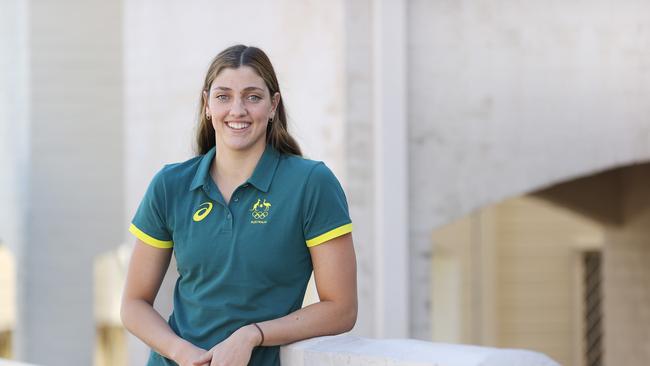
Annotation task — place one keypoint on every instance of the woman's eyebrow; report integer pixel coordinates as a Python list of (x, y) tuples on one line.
[(229, 89)]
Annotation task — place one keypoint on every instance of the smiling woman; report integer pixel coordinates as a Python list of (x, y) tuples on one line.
[(240, 108), (248, 220)]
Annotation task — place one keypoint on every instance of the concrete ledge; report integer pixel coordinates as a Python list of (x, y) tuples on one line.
[(5, 362), (355, 351)]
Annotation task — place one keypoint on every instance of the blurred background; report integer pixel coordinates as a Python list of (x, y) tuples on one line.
[(495, 156)]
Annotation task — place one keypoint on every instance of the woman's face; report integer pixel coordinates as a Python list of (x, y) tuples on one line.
[(239, 106)]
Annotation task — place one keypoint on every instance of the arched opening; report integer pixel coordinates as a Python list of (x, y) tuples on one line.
[(564, 271), (7, 301)]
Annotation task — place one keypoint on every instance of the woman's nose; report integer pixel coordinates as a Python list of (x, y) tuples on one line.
[(238, 108)]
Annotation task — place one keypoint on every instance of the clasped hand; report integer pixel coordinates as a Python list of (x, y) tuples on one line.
[(233, 351)]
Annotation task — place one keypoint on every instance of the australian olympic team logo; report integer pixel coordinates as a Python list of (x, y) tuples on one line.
[(260, 211), (202, 212)]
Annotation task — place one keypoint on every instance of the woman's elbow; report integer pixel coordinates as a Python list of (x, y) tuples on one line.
[(349, 319), (126, 308)]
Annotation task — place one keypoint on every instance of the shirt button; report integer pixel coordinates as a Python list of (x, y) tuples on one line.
[(236, 199), (228, 216)]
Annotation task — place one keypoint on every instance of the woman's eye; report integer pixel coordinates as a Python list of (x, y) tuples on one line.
[(222, 98), (254, 98)]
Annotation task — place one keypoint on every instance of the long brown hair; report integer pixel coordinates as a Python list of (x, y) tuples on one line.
[(233, 57)]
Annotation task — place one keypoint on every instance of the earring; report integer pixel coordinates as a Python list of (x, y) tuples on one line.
[(207, 116)]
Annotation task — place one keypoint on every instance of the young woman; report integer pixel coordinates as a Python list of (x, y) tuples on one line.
[(248, 220)]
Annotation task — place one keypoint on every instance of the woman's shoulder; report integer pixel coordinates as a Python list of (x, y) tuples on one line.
[(178, 173), (298, 166)]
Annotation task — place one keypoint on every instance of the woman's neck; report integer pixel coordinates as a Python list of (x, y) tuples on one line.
[(232, 167)]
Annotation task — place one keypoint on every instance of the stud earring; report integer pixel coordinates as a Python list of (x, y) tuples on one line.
[(207, 116)]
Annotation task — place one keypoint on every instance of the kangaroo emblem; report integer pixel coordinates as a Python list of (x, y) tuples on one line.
[(260, 211)]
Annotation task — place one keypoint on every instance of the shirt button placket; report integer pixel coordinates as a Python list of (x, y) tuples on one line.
[(229, 219)]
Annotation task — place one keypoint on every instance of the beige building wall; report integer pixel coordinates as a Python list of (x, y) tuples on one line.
[(515, 268), (7, 300), (512, 274), (109, 275), (627, 274), (7, 289), (539, 291)]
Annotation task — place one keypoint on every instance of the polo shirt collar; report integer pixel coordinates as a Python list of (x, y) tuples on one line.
[(265, 169), (203, 171), (262, 175)]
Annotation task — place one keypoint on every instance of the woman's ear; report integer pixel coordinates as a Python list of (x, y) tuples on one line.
[(275, 101), (205, 101)]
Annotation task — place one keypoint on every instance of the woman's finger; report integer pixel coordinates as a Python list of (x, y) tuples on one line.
[(206, 357)]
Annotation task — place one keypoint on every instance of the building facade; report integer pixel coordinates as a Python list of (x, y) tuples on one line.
[(427, 111)]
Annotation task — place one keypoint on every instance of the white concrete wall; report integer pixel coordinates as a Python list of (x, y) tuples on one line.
[(507, 97), (14, 125), (503, 98), (14, 130), (360, 160), (74, 174)]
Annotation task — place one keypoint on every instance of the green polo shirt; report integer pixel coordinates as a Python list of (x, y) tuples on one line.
[(246, 261)]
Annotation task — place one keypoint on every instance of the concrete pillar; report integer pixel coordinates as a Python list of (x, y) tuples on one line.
[(14, 130), (13, 120), (359, 145), (390, 169), (74, 174)]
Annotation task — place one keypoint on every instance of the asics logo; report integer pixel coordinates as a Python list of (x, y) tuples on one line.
[(202, 212)]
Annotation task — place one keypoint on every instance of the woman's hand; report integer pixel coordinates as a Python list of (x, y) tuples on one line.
[(187, 355), (233, 351)]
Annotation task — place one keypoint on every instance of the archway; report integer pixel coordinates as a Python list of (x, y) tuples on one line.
[(564, 270)]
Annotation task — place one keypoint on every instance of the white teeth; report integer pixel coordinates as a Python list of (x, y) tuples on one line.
[(238, 125)]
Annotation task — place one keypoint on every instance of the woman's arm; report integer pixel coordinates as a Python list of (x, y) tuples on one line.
[(336, 281), (147, 269), (335, 274)]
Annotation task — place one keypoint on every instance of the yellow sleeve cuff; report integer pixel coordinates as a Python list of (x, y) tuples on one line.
[(334, 233), (149, 239)]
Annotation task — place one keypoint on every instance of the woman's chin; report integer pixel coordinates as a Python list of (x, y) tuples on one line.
[(243, 145)]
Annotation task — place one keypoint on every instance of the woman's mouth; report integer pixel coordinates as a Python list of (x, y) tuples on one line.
[(238, 126)]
